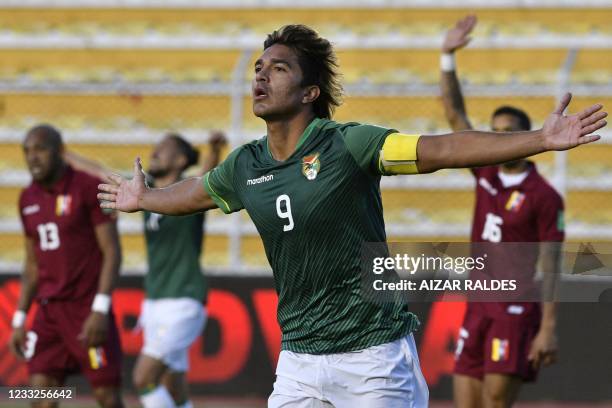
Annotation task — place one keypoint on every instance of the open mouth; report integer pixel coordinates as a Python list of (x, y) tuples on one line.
[(259, 93)]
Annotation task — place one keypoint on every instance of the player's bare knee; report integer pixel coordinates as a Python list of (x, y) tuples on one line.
[(495, 396), (500, 390), (142, 379)]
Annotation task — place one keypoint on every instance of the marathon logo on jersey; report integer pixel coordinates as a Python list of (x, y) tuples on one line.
[(259, 180), (63, 205), (311, 166), (97, 357), (500, 350), (515, 202), (31, 209)]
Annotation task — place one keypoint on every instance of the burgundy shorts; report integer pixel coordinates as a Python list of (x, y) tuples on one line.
[(496, 338), (58, 352)]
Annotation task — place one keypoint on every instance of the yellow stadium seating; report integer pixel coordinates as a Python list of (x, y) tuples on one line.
[(9, 199), (213, 20), (116, 65), (593, 67), (100, 124), (119, 111)]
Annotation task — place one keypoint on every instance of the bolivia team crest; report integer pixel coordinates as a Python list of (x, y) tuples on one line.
[(311, 166)]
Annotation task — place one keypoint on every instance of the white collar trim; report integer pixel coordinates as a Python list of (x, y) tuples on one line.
[(510, 180)]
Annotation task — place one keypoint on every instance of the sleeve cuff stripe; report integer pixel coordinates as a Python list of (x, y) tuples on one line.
[(214, 194)]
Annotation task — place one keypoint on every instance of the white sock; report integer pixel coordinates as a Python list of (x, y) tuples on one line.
[(187, 404), (157, 398)]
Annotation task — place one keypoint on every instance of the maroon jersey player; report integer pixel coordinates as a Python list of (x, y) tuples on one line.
[(502, 344), (72, 259)]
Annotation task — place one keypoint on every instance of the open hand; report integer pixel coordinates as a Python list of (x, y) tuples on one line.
[(544, 349), (95, 330), (17, 342), (121, 194), (458, 36), (563, 132)]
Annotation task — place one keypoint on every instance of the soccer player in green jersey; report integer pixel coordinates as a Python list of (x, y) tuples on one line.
[(311, 186), (172, 314)]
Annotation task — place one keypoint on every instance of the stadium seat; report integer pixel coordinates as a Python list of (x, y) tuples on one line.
[(410, 22), (592, 67)]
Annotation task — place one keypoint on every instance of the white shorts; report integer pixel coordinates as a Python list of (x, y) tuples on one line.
[(170, 327), (383, 376)]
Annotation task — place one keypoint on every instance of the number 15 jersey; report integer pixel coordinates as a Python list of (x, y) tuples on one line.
[(314, 211)]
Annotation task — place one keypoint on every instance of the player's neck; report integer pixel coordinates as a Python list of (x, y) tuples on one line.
[(165, 181), (54, 178), (284, 135), (518, 168)]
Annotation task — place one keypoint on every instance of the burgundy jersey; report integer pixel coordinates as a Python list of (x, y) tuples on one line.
[(61, 223), (529, 212)]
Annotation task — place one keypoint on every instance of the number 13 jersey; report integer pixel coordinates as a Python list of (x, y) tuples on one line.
[(61, 223)]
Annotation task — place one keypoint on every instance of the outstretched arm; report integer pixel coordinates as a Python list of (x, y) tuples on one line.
[(452, 98), (474, 149), (185, 197), (87, 165)]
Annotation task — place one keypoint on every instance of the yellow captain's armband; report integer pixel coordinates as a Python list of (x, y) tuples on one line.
[(399, 154)]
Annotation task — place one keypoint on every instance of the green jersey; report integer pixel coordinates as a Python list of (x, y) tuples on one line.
[(174, 245), (314, 211)]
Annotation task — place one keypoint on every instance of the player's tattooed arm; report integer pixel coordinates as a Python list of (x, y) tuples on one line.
[(216, 143), (471, 148), (452, 98), (95, 328), (29, 282), (544, 347), (185, 197)]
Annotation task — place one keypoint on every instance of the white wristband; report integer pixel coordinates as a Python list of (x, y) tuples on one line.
[(447, 62), (19, 318), (101, 303)]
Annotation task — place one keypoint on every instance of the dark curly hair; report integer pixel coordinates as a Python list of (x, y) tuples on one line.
[(519, 114), (53, 136), (191, 153)]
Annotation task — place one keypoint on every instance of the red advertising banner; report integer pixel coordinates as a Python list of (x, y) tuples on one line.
[(238, 350)]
